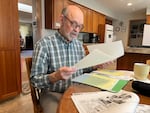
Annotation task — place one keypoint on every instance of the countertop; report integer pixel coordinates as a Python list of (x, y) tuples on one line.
[(139, 50)]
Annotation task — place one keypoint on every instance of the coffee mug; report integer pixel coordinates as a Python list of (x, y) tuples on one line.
[(141, 71)]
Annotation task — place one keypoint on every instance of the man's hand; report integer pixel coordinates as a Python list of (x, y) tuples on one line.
[(62, 73), (65, 72)]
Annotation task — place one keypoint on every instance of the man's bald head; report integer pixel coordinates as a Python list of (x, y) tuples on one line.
[(73, 11), (71, 22)]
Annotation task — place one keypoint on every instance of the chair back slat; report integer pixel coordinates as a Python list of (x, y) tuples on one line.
[(148, 61), (34, 91)]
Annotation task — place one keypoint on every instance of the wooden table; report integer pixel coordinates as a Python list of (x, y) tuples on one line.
[(66, 105)]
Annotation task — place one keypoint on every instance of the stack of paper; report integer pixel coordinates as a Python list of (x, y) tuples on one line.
[(119, 74)]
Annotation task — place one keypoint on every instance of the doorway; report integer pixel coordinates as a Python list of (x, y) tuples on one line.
[(26, 39)]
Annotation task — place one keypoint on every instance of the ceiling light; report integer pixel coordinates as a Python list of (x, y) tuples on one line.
[(24, 8), (129, 4)]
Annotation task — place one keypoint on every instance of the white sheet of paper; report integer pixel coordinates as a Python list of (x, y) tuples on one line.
[(101, 53), (114, 49)]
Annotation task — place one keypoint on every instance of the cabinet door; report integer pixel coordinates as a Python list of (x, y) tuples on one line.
[(95, 22), (101, 28), (102, 19), (89, 21), (53, 10), (58, 6), (127, 61), (49, 14), (147, 19), (10, 69), (84, 10), (101, 32)]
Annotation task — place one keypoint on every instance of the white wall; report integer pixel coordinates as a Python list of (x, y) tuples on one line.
[(123, 34), (148, 11)]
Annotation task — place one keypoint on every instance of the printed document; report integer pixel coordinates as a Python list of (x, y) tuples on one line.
[(101, 53)]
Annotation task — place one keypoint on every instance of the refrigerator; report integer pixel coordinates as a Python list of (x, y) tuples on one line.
[(108, 33), (146, 35)]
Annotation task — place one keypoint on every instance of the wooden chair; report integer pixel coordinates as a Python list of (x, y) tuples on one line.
[(148, 61), (34, 91), (86, 49)]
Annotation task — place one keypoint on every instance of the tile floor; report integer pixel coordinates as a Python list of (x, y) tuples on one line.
[(23, 102), (19, 104)]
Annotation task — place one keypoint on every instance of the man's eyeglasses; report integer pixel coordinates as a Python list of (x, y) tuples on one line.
[(74, 24)]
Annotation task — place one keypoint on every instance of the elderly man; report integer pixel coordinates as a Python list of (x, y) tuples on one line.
[(54, 56)]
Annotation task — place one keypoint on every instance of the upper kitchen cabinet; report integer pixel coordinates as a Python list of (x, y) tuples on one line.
[(102, 19), (89, 21), (95, 22), (53, 8), (52, 13), (101, 27), (101, 33), (84, 10)]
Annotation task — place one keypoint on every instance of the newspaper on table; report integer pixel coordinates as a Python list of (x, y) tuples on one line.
[(106, 102), (143, 108)]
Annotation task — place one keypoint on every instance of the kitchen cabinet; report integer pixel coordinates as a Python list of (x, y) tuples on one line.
[(10, 68), (95, 22), (52, 13), (147, 19), (84, 10), (89, 21), (53, 8), (101, 32), (102, 19), (84, 14), (92, 19), (101, 27), (127, 61)]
